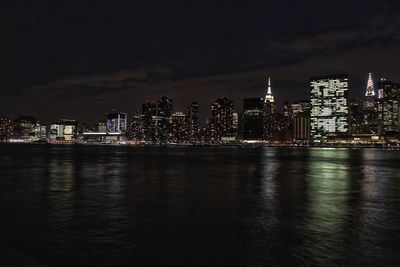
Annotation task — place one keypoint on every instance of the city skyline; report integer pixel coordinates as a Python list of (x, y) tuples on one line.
[(205, 111), (328, 116)]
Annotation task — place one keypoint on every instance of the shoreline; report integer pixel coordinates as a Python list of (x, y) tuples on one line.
[(353, 146)]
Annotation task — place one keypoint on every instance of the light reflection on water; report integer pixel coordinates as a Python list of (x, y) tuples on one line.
[(200, 206)]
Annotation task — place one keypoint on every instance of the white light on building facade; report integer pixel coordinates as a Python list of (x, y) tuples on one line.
[(329, 106)]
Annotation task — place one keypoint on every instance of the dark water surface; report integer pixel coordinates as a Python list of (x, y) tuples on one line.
[(198, 206)]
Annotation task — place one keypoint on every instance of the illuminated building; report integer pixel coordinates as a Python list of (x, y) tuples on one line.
[(389, 115), (369, 102), (369, 114), (300, 107), (221, 121), (157, 132), (235, 123), (149, 109), (165, 107), (64, 130), (24, 127), (329, 106), (6, 129), (193, 121), (269, 114), (179, 132), (29, 129), (253, 119), (116, 122), (101, 126), (40, 131), (135, 129)]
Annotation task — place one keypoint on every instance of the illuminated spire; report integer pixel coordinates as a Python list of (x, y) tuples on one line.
[(269, 97), (370, 86)]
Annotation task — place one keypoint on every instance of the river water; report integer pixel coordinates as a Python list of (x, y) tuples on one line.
[(198, 206)]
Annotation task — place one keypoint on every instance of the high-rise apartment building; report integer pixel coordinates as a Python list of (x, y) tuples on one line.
[(149, 109), (193, 121), (389, 116), (179, 132), (165, 107), (253, 119), (221, 121)]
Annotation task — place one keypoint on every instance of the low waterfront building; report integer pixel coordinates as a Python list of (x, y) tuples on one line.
[(64, 130)]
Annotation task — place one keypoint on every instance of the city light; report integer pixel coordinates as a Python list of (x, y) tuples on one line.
[(328, 118)]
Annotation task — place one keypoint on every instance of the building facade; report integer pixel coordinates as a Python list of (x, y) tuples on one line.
[(64, 130), (6, 129), (269, 114), (253, 119), (221, 121), (193, 121), (116, 122), (390, 107), (149, 109), (329, 107)]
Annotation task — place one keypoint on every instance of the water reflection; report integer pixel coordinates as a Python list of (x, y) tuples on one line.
[(328, 193)]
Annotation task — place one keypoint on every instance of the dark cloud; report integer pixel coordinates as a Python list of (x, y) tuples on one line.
[(106, 55)]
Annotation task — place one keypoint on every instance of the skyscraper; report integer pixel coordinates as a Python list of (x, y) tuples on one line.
[(369, 114), (269, 113), (149, 109), (300, 118), (165, 107), (179, 131), (135, 129), (253, 119), (221, 121), (193, 121), (369, 102), (390, 112), (356, 118), (329, 106)]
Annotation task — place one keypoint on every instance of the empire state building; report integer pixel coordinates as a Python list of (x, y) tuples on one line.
[(269, 113)]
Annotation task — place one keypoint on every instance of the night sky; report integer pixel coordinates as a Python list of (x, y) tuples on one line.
[(80, 60)]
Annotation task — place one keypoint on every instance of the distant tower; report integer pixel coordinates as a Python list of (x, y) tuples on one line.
[(193, 121), (370, 87), (269, 114), (269, 97), (369, 102)]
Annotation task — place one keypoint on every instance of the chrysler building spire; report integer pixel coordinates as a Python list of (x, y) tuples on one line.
[(370, 86)]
